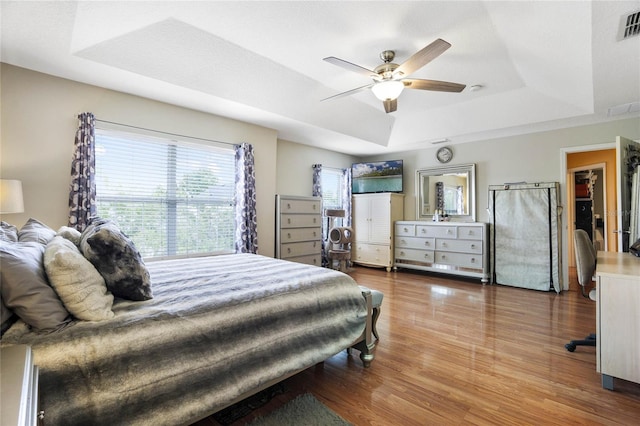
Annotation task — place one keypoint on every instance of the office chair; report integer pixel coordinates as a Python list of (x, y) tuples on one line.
[(586, 267)]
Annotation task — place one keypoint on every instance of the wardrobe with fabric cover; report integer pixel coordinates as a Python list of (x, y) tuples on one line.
[(526, 235)]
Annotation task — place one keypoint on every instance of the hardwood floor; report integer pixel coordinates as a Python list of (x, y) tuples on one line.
[(453, 351)]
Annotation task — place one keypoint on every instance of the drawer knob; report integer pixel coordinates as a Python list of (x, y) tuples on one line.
[(473, 260), (405, 230), (289, 250), (315, 219), (289, 221), (314, 233), (288, 206), (289, 235), (473, 246)]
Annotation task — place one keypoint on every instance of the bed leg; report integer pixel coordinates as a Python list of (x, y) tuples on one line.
[(367, 345)]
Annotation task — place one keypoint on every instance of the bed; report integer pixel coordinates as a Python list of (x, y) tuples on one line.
[(217, 329)]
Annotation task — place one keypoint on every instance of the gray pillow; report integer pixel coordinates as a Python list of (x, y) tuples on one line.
[(25, 289), (8, 232), (35, 231), (6, 315), (78, 284), (117, 259)]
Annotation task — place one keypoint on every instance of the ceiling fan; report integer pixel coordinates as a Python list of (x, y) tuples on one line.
[(389, 79)]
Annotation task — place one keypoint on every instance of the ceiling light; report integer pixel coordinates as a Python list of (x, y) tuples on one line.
[(389, 89)]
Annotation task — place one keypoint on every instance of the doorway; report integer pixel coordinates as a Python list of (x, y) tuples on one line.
[(601, 156), (586, 205)]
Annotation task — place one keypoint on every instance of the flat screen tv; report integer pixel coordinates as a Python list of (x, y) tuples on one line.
[(381, 176)]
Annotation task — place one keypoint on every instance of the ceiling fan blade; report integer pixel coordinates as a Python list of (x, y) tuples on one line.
[(438, 86), (349, 66), (348, 92), (390, 105), (423, 57)]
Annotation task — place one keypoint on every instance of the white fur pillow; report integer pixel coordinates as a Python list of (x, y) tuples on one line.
[(70, 234), (77, 282)]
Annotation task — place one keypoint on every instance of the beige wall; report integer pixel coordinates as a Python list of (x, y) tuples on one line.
[(38, 125), (39, 122), (295, 173), (533, 157)]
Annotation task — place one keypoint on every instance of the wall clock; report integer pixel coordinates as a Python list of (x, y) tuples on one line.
[(444, 154)]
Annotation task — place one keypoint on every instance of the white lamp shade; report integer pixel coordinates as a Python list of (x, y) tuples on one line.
[(389, 89), (11, 196)]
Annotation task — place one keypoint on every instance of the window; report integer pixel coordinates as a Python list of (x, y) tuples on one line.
[(332, 188), (333, 184), (171, 197)]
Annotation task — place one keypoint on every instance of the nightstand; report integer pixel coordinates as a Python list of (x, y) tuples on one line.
[(18, 386)]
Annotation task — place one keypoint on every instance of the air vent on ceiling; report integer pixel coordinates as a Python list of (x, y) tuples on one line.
[(630, 25)]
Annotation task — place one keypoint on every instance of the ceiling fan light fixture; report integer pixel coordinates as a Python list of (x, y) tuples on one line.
[(387, 90)]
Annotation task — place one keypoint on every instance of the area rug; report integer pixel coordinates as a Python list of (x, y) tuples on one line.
[(303, 410)]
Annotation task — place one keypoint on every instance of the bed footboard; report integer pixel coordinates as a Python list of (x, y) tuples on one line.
[(366, 343)]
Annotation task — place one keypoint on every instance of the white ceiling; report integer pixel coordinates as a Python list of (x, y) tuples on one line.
[(542, 64)]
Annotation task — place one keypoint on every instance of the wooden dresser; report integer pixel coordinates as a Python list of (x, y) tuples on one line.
[(299, 229), (460, 248)]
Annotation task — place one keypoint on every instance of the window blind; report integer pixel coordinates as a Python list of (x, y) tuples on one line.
[(171, 197)]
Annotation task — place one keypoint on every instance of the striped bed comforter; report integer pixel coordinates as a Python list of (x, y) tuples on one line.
[(217, 328)]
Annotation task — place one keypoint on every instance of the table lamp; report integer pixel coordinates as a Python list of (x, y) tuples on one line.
[(11, 196)]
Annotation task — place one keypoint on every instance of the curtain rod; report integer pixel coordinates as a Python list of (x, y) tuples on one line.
[(166, 133)]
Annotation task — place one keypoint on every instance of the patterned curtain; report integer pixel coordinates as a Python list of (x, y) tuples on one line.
[(82, 190), (317, 192), (346, 197), (245, 212)]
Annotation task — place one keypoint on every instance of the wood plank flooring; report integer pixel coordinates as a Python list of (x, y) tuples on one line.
[(453, 351)]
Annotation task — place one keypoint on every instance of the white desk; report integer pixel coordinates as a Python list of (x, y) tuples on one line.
[(618, 317)]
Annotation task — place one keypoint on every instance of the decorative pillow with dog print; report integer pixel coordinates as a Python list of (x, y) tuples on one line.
[(117, 259)]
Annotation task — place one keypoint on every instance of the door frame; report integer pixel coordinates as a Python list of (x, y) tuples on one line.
[(565, 200)]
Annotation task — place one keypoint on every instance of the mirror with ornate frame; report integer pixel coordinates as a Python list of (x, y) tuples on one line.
[(450, 189)]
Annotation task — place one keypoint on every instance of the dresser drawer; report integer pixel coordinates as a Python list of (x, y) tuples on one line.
[(417, 243), (461, 260), (436, 231), (312, 259), (300, 249), (405, 230), (293, 235), (463, 246), (414, 255), (375, 254), (300, 206), (300, 221), (470, 233)]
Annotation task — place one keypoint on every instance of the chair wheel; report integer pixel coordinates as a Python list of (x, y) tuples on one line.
[(570, 347)]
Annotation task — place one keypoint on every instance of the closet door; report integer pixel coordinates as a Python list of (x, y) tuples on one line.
[(525, 236)]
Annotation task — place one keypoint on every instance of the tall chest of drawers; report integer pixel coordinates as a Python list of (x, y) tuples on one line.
[(299, 229), (460, 248)]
